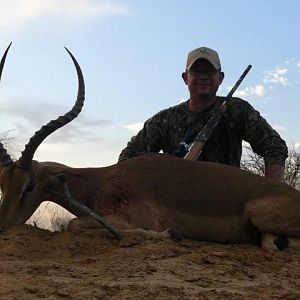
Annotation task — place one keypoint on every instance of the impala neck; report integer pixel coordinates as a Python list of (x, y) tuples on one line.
[(85, 186)]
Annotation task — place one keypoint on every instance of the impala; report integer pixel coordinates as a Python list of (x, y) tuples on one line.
[(154, 192)]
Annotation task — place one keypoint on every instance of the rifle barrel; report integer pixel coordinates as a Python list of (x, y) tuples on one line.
[(239, 81)]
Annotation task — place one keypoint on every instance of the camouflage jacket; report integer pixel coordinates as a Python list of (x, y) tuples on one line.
[(167, 129)]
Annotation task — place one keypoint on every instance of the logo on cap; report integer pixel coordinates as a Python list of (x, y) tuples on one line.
[(206, 53)]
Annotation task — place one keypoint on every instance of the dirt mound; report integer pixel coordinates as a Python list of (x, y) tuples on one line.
[(40, 264)]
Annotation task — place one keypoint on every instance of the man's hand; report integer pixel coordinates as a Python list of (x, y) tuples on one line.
[(275, 172)]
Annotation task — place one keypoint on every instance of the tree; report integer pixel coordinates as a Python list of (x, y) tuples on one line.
[(254, 163), (9, 142)]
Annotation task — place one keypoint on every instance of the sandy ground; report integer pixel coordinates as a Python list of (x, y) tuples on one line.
[(36, 263)]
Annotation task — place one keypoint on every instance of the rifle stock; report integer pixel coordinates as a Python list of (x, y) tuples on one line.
[(194, 151)]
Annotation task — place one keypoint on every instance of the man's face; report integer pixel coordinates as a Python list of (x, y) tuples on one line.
[(203, 79)]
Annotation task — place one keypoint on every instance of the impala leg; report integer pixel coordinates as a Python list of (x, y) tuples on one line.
[(151, 234), (125, 229), (294, 243), (147, 234), (274, 219), (268, 242), (82, 223), (273, 242)]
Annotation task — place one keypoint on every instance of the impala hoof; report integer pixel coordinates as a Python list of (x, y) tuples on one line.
[(173, 235), (281, 242), (273, 242)]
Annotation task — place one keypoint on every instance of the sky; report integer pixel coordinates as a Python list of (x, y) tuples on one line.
[(132, 54)]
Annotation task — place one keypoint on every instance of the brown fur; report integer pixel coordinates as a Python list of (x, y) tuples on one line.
[(199, 200)]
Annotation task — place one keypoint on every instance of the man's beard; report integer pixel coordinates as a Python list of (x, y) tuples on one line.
[(207, 96)]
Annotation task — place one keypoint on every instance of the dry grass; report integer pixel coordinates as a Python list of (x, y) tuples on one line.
[(254, 163)]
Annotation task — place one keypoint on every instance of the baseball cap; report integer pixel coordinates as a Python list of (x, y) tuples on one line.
[(206, 53)]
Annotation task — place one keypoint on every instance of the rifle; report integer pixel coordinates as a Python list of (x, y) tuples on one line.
[(202, 137)]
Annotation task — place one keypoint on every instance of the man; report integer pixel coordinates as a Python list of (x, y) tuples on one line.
[(170, 127)]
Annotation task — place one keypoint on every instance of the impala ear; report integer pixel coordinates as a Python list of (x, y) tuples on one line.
[(55, 181), (61, 176), (65, 176)]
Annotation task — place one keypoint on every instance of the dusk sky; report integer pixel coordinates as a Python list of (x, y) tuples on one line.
[(132, 54)]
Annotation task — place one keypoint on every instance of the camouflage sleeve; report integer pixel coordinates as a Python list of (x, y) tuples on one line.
[(152, 138), (264, 140)]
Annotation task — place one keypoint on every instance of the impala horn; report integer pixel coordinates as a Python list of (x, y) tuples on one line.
[(5, 159), (27, 155)]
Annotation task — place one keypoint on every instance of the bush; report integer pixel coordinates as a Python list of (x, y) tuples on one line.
[(254, 163)]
